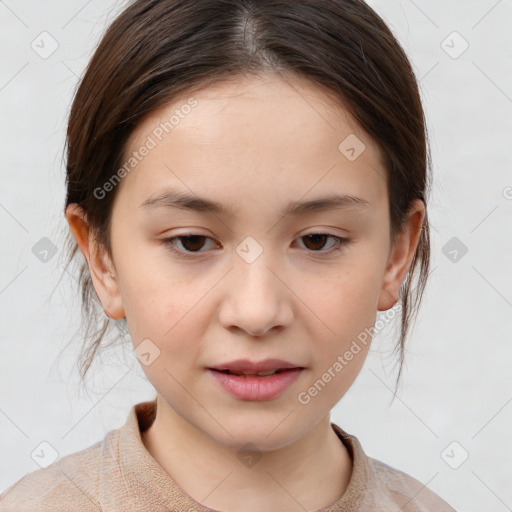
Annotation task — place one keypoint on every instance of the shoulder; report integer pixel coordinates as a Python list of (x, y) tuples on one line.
[(406, 491), (70, 483), (375, 485)]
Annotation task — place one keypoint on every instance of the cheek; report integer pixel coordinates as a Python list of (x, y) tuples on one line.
[(345, 308), (343, 301), (154, 293), (169, 311), (149, 311), (160, 316)]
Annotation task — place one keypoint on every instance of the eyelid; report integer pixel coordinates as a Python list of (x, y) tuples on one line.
[(341, 242)]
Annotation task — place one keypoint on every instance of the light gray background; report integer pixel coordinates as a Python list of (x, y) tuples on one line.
[(457, 381)]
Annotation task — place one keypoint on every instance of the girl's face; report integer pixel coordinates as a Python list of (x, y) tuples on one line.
[(247, 279)]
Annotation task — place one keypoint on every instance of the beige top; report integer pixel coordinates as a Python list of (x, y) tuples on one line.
[(119, 474)]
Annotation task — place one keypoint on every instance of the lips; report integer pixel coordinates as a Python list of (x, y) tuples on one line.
[(263, 368), (258, 374), (256, 381)]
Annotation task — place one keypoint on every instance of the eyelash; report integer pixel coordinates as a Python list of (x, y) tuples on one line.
[(169, 243)]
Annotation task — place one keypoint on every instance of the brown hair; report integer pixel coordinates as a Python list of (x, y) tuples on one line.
[(156, 50)]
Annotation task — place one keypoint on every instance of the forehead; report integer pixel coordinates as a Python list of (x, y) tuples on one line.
[(279, 135)]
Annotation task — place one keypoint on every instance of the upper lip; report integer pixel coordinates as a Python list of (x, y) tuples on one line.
[(247, 366)]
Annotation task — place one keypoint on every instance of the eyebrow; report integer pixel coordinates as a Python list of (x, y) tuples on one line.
[(184, 201)]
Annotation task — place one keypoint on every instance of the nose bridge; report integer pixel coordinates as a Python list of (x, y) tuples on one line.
[(257, 299), (252, 269)]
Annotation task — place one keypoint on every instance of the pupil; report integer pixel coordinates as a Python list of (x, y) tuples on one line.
[(195, 239), (316, 239)]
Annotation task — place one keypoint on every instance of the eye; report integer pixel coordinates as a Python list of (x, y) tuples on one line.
[(193, 243), (316, 241)]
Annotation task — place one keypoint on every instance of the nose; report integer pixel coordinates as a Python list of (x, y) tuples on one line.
[(256, 299)]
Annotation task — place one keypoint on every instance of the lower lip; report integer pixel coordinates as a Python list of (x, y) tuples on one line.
[(255, 388)]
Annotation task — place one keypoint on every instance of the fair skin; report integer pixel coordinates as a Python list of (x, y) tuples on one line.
[(253, 145)]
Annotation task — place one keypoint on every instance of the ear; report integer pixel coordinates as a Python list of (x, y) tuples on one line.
[(401, 255), (101, 267)]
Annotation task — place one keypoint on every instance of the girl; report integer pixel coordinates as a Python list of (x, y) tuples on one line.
[(247, 182)]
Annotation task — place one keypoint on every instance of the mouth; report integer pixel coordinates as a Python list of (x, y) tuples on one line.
[(263, 368), (256, 381), (257, 374)]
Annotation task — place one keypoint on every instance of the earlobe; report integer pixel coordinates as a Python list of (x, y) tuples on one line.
[(401, 256), (101, 268)]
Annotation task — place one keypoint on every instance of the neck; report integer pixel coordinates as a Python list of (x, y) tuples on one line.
[(308, 474)]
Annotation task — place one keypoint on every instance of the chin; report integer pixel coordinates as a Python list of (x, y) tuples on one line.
[(266, 434)]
